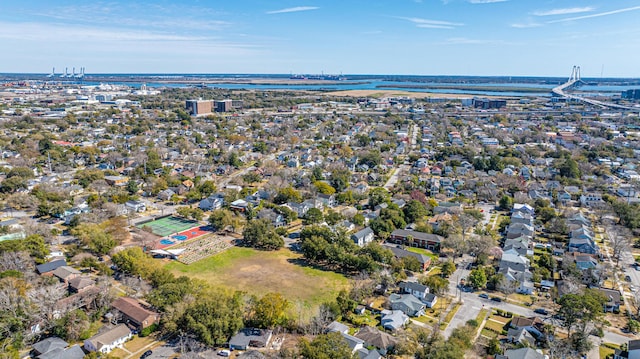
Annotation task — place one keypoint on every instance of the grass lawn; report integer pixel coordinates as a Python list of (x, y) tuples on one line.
[(500, 319), (452, 313), (496, 327), (426, 252), (520, 297), (607, 349), (137, 343), (259, 272), (482, 315), (118, 353)]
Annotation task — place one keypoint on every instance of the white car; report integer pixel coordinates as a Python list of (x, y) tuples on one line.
[(224, 353)]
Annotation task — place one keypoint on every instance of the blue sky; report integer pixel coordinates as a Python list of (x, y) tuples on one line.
[(420, 37)]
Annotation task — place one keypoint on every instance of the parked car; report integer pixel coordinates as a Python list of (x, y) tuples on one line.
[(496, 299), (146, 354), (224, 353), (484, 295), (627, 278), (541, 311)]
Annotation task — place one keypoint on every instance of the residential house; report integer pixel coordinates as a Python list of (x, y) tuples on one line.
[(591, 199), (239, 205), (523, 207), (416, 239), (632, 352), (337, 327), (80, 284), (400, 253), (56, 348), (166, 194), (48, 268), (448, 207), (407, 303), (135, 206), (212, 202), (393, 319), (614, 299), (582, 260), (521, 336), (109, 340), (516, 230), (65, 273), (583, 245), (416, 289), (250, 337), (134, 313), (116, 180), (521, 353), (534, 325), (275, 218), (378, 339), (363, 237), (355, 344), (328, 200), (301, 209), (522, 217)]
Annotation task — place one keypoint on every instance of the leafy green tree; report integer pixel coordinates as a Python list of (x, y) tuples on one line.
[(437, 285), (569, 168), (207, 188), (377, 196), (269, 311), (340, 179), (134, 261), (212, 319), (477, 278), (325, 346), (313, 216), (448, 267), (324, 187), (260, 233), (494, 347), (414, 211), (506, 203), (287, 194)]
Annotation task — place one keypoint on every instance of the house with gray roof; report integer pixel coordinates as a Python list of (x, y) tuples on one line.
[(393, 319), (407, 303), (523, 353), (363, 237), (414, 288), (47, 268), (371, 336), (250, 337)]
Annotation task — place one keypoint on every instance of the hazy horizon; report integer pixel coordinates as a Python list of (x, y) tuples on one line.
[(525, 38)]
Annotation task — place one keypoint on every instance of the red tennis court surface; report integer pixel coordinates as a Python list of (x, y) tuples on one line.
[(183, 236), (195, 232)]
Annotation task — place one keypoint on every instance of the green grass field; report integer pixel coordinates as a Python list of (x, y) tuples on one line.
[(259, 272)]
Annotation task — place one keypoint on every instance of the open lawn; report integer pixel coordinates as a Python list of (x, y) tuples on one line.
[(426, 252), (607, 349), (259, 272)]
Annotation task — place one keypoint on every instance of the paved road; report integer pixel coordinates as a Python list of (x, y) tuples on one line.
[(393, 179)]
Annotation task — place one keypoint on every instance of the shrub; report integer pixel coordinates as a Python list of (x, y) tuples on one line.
[(148, 330), (472, 322)]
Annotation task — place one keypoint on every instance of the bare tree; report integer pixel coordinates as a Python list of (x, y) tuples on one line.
[(619, 241)]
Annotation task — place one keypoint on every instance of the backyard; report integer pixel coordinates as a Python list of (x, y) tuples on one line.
[(259, 272)]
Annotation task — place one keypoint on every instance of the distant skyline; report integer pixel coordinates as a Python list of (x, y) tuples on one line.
[(405, 37)]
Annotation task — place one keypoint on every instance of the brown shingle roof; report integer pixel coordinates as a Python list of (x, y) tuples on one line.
[(132, 309)]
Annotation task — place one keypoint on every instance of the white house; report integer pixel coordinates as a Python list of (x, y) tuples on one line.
[(109, 340), (363, 237)]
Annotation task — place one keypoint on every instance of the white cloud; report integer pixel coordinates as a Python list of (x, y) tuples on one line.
[(526, 25), (612, 12), (565, 11), (486, 1), (293, 9), (467, 41), (432, 24)]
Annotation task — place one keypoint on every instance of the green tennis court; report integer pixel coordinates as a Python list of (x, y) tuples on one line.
[(168, 225)]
